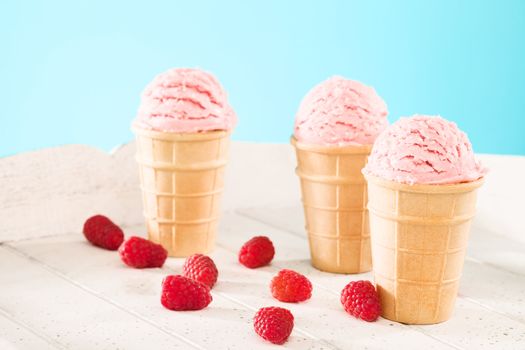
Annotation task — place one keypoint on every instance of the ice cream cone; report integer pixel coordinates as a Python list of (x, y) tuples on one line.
[(182, 177), (334, 199), (419, 237)]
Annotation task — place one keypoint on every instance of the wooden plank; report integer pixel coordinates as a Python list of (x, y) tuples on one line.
[(260, 175), (287, 218), (292, 253), (69, 316), (326, 317), (494, 289), (485, 246), (473, 327), (224, 324), (14, 336), (238, 294), (321, 316), (500, 207), (497, 251), (94, 267)]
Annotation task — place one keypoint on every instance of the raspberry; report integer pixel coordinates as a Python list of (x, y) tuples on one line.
[(360, 300), (140, 253), (102, 232), (290, 287), (200, 268), (257, 252), (181, 293), (273, 324)]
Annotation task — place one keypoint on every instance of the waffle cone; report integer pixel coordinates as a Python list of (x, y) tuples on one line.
[(182, 178), (419, 238), (334, 198)]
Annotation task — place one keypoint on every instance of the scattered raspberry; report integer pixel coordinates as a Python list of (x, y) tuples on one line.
[(102, 232), (181, 293), (291, 287), (200, 268), (140, 253), (360, 300), (273, 324), (257, 252)]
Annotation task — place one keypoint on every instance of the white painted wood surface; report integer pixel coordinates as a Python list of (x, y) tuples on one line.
[(59, 292)]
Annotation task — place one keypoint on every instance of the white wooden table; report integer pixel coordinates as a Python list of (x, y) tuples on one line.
[(59, 292)]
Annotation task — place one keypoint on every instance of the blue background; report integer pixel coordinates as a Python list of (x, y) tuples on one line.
[(72, 71)]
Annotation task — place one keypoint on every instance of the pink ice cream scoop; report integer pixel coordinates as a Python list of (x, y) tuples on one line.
[(340, 112), (424, 150), (185, 100)]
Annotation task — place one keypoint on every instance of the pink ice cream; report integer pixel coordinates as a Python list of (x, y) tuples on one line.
[(424, 150), (185, 100), (340, 112)]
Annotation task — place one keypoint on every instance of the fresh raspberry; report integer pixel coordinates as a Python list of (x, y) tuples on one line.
[(102, 232), (360, 300), (181, 293), (200, 268), (290, 287), (273, 324), (140, 253), (257, 252)]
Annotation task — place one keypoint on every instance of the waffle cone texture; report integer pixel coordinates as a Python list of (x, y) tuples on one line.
[(334, 197), (182, 179), (419, 238)]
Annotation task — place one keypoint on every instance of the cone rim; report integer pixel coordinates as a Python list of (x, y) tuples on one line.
[(348, 149), (425, 188), (180, 136)]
